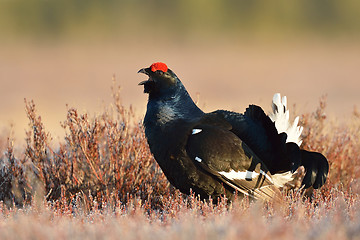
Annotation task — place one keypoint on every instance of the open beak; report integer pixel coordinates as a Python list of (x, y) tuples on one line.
[(144, 71), (143, 82)]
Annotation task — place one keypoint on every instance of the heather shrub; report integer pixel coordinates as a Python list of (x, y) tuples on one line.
[(104, 166), (102, 157)]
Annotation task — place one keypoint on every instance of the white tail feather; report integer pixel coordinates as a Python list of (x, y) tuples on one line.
[(280, 116)]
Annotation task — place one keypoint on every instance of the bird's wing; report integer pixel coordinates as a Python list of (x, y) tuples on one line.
[(257, 130), (220, 153)]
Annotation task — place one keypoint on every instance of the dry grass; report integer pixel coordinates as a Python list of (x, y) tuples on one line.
[(103, 183)]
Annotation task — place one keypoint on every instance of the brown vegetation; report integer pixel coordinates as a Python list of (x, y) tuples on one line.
[(103, 183)]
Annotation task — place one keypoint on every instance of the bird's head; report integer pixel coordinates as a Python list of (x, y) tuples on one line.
[(161, 79), (168, 98)]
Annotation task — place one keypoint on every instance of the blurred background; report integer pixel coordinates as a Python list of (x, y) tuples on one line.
[(231, 52)]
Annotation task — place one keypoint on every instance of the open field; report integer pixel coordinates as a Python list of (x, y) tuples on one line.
[(74, 162), (102, 183)]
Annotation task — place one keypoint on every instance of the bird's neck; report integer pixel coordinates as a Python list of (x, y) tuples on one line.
[(162, 111), (165, 120)]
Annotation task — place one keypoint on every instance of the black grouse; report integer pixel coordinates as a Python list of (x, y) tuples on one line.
[(224, 152)]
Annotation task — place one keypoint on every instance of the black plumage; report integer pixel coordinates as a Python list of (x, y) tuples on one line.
[(220, 152)]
